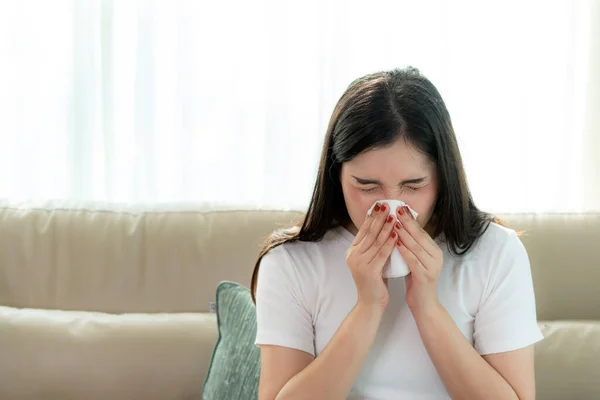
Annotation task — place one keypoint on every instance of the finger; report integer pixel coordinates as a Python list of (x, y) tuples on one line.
[(385, 251), (368, 222), (374, 229), (414, 265), (364, 228), (414, 229), (415, 247), (384, 235)]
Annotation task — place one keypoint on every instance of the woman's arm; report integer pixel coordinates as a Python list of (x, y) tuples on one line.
[(464, 372), (278, 365), (332, 374)]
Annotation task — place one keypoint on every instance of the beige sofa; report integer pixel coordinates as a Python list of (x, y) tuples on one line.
[(111, 302)]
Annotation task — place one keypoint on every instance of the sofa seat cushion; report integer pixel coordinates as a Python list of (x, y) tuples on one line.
[(567, 361), (53, 354)]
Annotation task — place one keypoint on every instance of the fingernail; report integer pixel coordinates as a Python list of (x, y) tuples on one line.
[(383, 207), (377, 207), (397, 225), (401, 211), (407, 211), (399, 243), (394, 234), (390, 218)]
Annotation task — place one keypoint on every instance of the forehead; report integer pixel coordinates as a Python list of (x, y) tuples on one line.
[(399, 160)]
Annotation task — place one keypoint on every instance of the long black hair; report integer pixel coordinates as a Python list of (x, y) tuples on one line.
[(374, 112)]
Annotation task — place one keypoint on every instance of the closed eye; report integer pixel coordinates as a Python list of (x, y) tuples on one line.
[(403, 184), (410, 188), (368, 190)]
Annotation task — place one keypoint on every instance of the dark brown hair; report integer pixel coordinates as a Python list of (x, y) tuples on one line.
[(374, 112)]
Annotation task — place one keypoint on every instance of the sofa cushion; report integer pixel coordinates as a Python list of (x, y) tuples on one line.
[(119, 258), (235, 367), (50, 354), (567, 361)]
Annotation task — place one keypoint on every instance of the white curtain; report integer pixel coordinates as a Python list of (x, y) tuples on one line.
[(228, 101)]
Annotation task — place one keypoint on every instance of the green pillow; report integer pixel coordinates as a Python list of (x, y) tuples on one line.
[(235, 366)]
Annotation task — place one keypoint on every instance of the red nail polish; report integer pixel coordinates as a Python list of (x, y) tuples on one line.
[(377, 207), (390, 218), (398, 225), (399, 243), (383, 207), (394, 234), (407, 211), (401, 211)]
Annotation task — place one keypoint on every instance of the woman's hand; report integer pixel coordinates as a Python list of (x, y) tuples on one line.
[(424, 258), (367, 255)]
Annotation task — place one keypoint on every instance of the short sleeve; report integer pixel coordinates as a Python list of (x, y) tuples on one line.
[(282, 314), (506, 319)]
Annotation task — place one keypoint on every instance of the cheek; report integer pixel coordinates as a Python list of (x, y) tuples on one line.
[(358, 203), (422, 201)]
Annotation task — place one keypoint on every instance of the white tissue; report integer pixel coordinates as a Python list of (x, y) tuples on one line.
[(395, 267)]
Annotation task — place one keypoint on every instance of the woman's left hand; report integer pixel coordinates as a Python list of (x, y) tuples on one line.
[(424, 258)]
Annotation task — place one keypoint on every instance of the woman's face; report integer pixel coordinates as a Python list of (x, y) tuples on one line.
[(396, 172)]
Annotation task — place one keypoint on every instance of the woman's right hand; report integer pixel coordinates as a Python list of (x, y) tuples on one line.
[(368, 254)]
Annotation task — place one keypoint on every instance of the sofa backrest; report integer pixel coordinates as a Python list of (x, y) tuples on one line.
[(119, 259)]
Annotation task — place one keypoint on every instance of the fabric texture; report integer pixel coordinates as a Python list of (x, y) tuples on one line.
[(235, 366), (305, 291)]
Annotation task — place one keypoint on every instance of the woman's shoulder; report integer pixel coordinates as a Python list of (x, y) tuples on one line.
[(498, 243), (498, 236), (299, 251), (302, 261)]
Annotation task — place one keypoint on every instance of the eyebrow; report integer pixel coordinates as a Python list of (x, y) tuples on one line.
[(376, 182)]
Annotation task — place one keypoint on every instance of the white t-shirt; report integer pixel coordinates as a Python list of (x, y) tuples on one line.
[(305, 290)]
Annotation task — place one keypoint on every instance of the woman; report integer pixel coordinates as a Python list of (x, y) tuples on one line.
[(462, 324)]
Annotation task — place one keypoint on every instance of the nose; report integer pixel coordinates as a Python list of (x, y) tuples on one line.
[(393, 195)]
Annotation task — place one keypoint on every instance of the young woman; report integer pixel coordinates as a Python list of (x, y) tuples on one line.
[(461, 325)]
